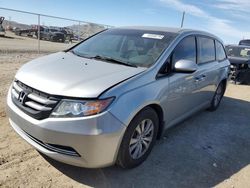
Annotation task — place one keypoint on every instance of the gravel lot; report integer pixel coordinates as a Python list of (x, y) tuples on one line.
[(13, 43), (209, 149)]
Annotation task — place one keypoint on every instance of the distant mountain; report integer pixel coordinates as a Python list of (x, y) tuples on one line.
[(13, 24), (85, 30)]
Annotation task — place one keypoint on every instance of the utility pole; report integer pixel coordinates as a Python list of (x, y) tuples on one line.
[(182, 20), (38, 32)]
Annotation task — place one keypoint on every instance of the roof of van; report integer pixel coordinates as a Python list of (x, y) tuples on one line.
[(156, 28), (168, 29)]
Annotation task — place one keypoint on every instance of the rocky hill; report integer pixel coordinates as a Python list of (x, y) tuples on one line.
[(13, 24), (84, 30)]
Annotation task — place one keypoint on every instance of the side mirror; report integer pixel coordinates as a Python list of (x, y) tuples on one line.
[(185, 66)]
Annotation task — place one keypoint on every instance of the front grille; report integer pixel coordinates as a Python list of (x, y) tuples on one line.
[(37, 104), (66, 150)]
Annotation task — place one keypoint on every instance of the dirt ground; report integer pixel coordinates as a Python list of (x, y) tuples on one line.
[(13, 43), (210, 149)]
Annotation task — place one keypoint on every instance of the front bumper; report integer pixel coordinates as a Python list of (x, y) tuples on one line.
[(58, 38), (2, 33), (96, 138), (240, 73)]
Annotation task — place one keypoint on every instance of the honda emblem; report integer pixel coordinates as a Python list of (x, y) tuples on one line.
[(21, 96)]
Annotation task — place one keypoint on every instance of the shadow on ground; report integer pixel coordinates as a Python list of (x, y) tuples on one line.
[(200, 152), (8, 37)]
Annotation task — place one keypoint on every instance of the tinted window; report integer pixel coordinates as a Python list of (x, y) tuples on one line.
[(186, 49), (220, 52), (206, 50)]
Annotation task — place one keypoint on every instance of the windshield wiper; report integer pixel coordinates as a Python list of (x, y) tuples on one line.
[(84, 56), (100, 57)]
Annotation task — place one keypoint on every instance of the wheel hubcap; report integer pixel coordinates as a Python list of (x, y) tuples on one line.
[(141, 138)]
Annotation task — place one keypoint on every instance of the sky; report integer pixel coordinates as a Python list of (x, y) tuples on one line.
[(228, 19)]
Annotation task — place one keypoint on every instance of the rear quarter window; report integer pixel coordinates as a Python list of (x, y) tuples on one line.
[(206, 50), (220, 52)]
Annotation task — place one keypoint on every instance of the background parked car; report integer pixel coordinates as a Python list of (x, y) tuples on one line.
[(245, 42), (68, 33), (239, 57), (53, 35)]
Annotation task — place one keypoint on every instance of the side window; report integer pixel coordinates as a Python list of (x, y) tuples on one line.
[(206, 50), (186, 49), (220, 52)]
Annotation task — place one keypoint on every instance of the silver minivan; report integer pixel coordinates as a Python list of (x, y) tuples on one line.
[(106, 100)]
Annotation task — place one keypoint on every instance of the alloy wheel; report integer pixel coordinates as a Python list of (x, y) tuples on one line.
[(141, 138)]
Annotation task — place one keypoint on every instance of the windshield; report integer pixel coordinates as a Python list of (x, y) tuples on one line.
[(235, 51), (54, 30), (136, 47), (244, 42)]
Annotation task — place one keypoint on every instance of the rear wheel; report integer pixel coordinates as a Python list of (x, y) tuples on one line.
[(138, 139), (217, 97)]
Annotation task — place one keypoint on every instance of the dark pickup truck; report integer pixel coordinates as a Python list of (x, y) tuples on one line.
[(239, 57), (53, 35)]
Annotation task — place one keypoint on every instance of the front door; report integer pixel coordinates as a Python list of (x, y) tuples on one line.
[(181, 97)]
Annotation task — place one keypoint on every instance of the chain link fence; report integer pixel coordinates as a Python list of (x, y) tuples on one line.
[(23, 31)]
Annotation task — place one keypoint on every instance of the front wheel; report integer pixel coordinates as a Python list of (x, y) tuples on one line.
[(51, 39), (138, 139), (217, 97)]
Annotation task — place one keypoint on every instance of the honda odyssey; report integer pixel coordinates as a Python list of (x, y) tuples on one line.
[(109, 98)]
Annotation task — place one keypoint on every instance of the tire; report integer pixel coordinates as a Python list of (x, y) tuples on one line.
[(133, 142), (217, 97), (51, 39)]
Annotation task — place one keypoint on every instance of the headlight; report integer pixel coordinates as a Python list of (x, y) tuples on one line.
[(76, 108)]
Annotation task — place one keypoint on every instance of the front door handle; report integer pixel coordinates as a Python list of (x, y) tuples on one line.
[(200, 78)]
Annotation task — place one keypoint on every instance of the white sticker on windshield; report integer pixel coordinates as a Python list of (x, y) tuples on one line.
[(152, 36)]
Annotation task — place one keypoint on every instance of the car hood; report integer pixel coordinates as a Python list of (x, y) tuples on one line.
[(66, 74)]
